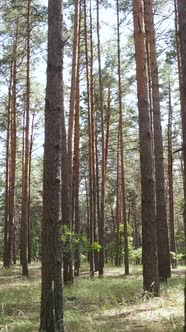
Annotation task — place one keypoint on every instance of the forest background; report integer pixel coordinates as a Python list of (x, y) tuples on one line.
[(102, 137)]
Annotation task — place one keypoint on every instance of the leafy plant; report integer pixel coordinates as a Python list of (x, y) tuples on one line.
[(72, 241), (179, 257)]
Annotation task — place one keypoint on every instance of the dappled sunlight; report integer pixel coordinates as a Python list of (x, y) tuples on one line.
[(112, 303)]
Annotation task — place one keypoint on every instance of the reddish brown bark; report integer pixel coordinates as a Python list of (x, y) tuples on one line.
[(182, 37), (161, 216), (149, 243), (11, 157), (91, 206), (124, 214), (24, 212), (103, 175), (76, 169), (170, 181), (118, 206), (73, 97), (29, 193), (7, 179)]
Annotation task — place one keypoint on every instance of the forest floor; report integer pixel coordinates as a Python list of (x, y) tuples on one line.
[(113, 303)]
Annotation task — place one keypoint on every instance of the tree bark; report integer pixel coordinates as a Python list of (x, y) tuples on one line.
[(29, 193), (118, 206), (101, 101), (149, 243), (73, 96), (24, 212), (170, 181), (124, 214), (51, 319), (182, 36), (91, 206), (76, 168), (92, 120), (13, 143), (7, 176), (161, 215)]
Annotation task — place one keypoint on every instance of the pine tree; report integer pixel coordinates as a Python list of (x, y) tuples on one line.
[(51, 298), (126, 255), (182, 35), (24, 212), (149, 244), (170, 181), (161, 217)]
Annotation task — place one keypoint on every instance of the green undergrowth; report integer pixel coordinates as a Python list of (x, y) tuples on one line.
[(113, 303)]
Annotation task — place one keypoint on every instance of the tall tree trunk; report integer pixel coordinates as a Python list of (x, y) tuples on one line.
[(101, 101), (76, 187), (88, 211), (68, 220), (94, 192), (182, 33), (178, 53), (13, 142), (11, 157), (73, 96), (91, 207), (170, 180), (24, 213), (107, 130), (51, 299), (182, 36), (181, 91), (126, 251), (118, 205), (65, 206), (149, 243), (161, 216), (98, 213), (22, 174), (29, 193), (76, 169), (7, 176), (134, 220)]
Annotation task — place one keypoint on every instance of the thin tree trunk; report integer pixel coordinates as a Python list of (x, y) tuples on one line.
[(76, 187), (97, 180), (182, 38), (182, 35), (126, 253), (76, 168), (134, 220), (91, 224), (69, 220), (94, 196), (107, 130), (13, 142), (7, 179), (29, 194), (170, 180), (101, 101), (11, 154), (118, 205), (73, 95), (149, 243), (65, 206), (88, 212), (24, 216)]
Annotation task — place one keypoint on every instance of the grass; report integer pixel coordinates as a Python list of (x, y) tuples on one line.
[(113, 303)]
